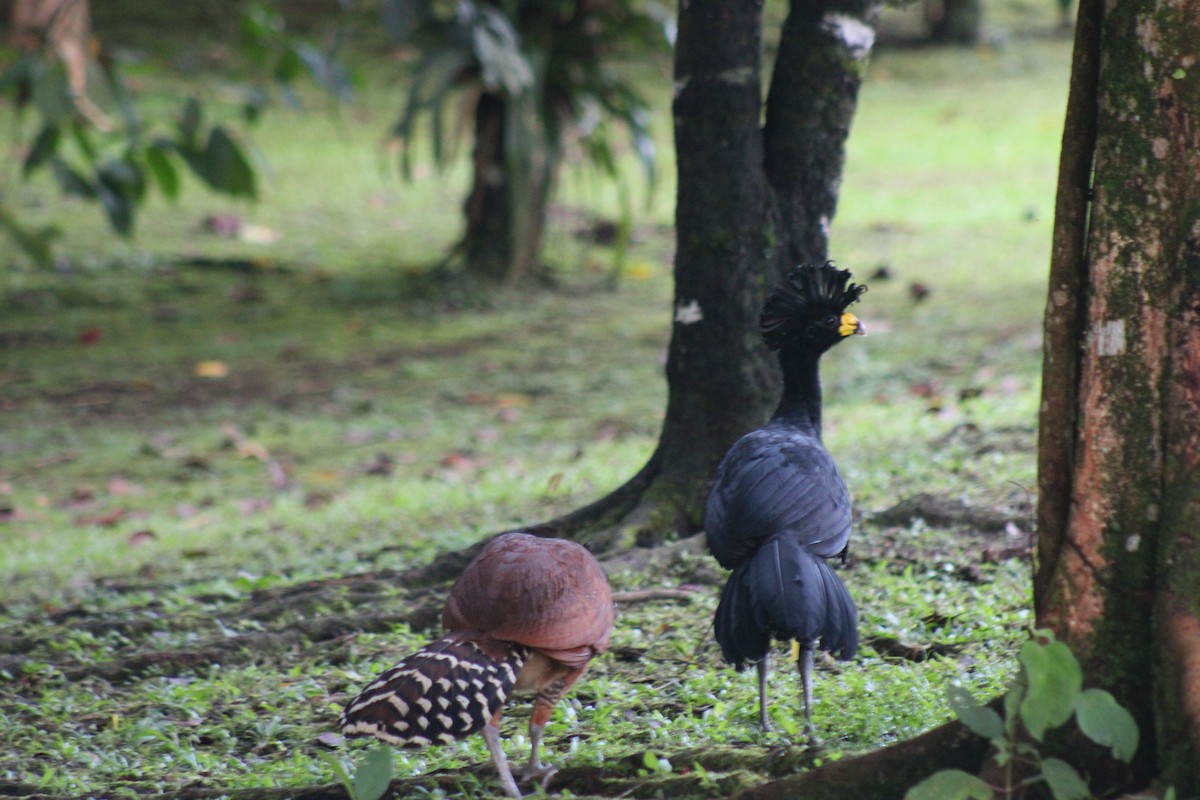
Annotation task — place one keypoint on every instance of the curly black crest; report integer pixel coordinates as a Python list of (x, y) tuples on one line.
[(805, 293)]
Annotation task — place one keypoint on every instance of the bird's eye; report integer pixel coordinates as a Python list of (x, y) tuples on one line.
[(830, 321)]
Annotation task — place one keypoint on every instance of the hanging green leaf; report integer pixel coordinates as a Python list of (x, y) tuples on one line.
[(1106, 722), (118, 207), (223, 165), (44, 146), (1064, 781), (158, 159), (70, 181), (981, 720)]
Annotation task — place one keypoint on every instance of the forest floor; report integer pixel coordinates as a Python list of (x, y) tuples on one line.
[(235, 469)]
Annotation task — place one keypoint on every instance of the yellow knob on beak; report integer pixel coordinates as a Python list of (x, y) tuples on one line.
[(851, 326)]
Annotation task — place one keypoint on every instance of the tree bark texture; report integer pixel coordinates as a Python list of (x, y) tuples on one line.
[(822, 60), (1119, 576)]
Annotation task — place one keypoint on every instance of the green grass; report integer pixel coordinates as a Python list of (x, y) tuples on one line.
[(371, 419)]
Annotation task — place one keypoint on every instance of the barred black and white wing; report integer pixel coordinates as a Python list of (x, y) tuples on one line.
[(444, 692)]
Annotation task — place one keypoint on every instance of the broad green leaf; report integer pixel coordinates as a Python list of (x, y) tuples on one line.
[(118, 206), (81, 133), (981, 720), (1106, 722), (1064, 781), (226, 167), (124, 176), (950, 784), (373, 775), (165, 174), (71, 182), (1054, 680), (43, 147)]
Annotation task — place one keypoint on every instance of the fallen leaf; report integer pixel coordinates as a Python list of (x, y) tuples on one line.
[(317, 499), (919, 291), (141, 537), (248, 448), (382, 464), (211, 369), (119, 487), (103, 520), (639, 271)]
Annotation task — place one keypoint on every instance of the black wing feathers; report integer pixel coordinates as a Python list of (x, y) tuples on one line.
[(775, 481)]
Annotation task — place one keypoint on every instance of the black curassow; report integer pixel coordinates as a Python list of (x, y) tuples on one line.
[(779, 507)]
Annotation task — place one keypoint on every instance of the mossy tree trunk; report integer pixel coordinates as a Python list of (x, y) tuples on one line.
[(1118, 574), (754, 198)]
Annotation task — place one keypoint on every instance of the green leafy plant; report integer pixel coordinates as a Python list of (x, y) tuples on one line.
[(371, 779), (116, 165), (1047, 692), (539, 79)]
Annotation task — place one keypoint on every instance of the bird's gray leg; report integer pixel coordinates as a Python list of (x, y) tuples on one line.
[(543, 707), (764, 666), (806, 678), (491, 735), (535, 770)]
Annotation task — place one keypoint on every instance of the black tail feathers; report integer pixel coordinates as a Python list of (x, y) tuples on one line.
[(446, 691), (785, 592)]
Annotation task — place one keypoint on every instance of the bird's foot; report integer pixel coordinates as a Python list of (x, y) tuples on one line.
[(538, 773)]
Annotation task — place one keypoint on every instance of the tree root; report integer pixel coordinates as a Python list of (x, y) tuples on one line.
[(944, 512), (882, 774)]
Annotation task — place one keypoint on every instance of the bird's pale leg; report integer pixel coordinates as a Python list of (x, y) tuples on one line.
[(491, 735), (806, 678), (764, 666)]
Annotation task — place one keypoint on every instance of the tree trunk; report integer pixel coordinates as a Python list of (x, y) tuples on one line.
[(506, 209), (1119, 513), (753, 200), (955, 21)]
